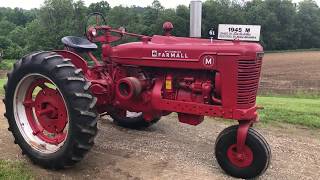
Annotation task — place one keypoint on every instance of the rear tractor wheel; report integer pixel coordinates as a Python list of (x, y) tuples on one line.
[(50, 110), (251, 162)]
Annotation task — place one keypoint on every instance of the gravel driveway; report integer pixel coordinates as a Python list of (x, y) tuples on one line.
[(171, 150)]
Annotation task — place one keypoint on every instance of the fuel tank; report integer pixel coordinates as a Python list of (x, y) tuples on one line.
[(186, 53)]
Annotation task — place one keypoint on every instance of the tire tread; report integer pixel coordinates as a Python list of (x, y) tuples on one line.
[(83, 117)]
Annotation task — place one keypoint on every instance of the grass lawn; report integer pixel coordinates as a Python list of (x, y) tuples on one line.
[(290, 110), (14, 170)]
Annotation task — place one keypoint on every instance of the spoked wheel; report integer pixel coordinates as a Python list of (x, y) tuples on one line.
[(50, 110), (251, 162), (133, 120)]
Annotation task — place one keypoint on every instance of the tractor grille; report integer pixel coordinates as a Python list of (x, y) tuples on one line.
[(248, 82)]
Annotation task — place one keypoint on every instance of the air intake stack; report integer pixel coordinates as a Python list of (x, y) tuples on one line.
[(195, 18)]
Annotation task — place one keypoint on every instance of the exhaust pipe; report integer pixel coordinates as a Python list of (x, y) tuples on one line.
[(195, 18)]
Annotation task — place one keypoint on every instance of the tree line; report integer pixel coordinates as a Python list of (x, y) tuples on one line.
[(285, 25)]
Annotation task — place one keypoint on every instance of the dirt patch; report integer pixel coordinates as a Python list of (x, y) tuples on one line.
[(3, 74), (291, 72), (171, 150)]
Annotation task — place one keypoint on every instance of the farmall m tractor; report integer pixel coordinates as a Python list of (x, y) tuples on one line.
[(53, 99)]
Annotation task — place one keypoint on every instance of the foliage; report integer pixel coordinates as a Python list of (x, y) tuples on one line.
[(290, 110), (11, 50), (102, 7), (6, 64), (6, 27), (285, 25), (308, 18)]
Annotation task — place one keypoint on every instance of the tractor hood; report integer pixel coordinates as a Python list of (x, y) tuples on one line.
[(180, 49)]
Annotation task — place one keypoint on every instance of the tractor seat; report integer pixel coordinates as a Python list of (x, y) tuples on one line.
[(79, 44)]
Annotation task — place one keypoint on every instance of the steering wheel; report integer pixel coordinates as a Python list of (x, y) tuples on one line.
[(91, 31)]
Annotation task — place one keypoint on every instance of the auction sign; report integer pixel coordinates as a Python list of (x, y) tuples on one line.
[(239, 32)]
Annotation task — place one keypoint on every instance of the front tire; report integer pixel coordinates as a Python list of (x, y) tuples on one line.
[(50, 110), (255, 158)]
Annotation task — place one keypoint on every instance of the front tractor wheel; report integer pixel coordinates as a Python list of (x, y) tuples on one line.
[(50, 110), (251, 162)]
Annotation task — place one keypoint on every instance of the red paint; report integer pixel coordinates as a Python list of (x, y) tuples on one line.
[(167, 28), (242, 135), (50, 112), (76, 59), (190, 119), (217, 79), (240, 160)]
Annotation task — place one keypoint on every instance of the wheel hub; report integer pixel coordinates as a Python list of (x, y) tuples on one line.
[(240, 159), (46, 112), (50, 110)]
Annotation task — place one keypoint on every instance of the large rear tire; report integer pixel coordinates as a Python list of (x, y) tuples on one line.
[(50, 110)]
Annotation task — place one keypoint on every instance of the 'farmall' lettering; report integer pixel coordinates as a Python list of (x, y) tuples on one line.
[(169, 54)]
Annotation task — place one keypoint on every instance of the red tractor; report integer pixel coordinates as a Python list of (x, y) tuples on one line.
[(54, 98)]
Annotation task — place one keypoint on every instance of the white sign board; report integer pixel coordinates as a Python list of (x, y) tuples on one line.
[(239, 32)]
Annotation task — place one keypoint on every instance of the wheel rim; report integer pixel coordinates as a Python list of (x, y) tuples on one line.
[(40, 113), (242, 159)]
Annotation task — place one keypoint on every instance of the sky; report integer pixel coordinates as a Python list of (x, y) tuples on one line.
[(29, 4)]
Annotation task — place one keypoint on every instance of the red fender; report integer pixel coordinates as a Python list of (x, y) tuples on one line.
[(77, 60)]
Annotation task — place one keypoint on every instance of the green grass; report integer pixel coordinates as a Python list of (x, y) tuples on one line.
[(6, 64), (12, 170), (299, 111), (300, 94)]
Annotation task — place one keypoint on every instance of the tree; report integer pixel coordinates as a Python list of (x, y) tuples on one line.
[(36, 37), (5, 42), (6, 27), (157, 5), (183, 12), (10, 49), (308, 19), (80, 13), (217, 12), (102, 7), (277, 19), (18, 35)]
